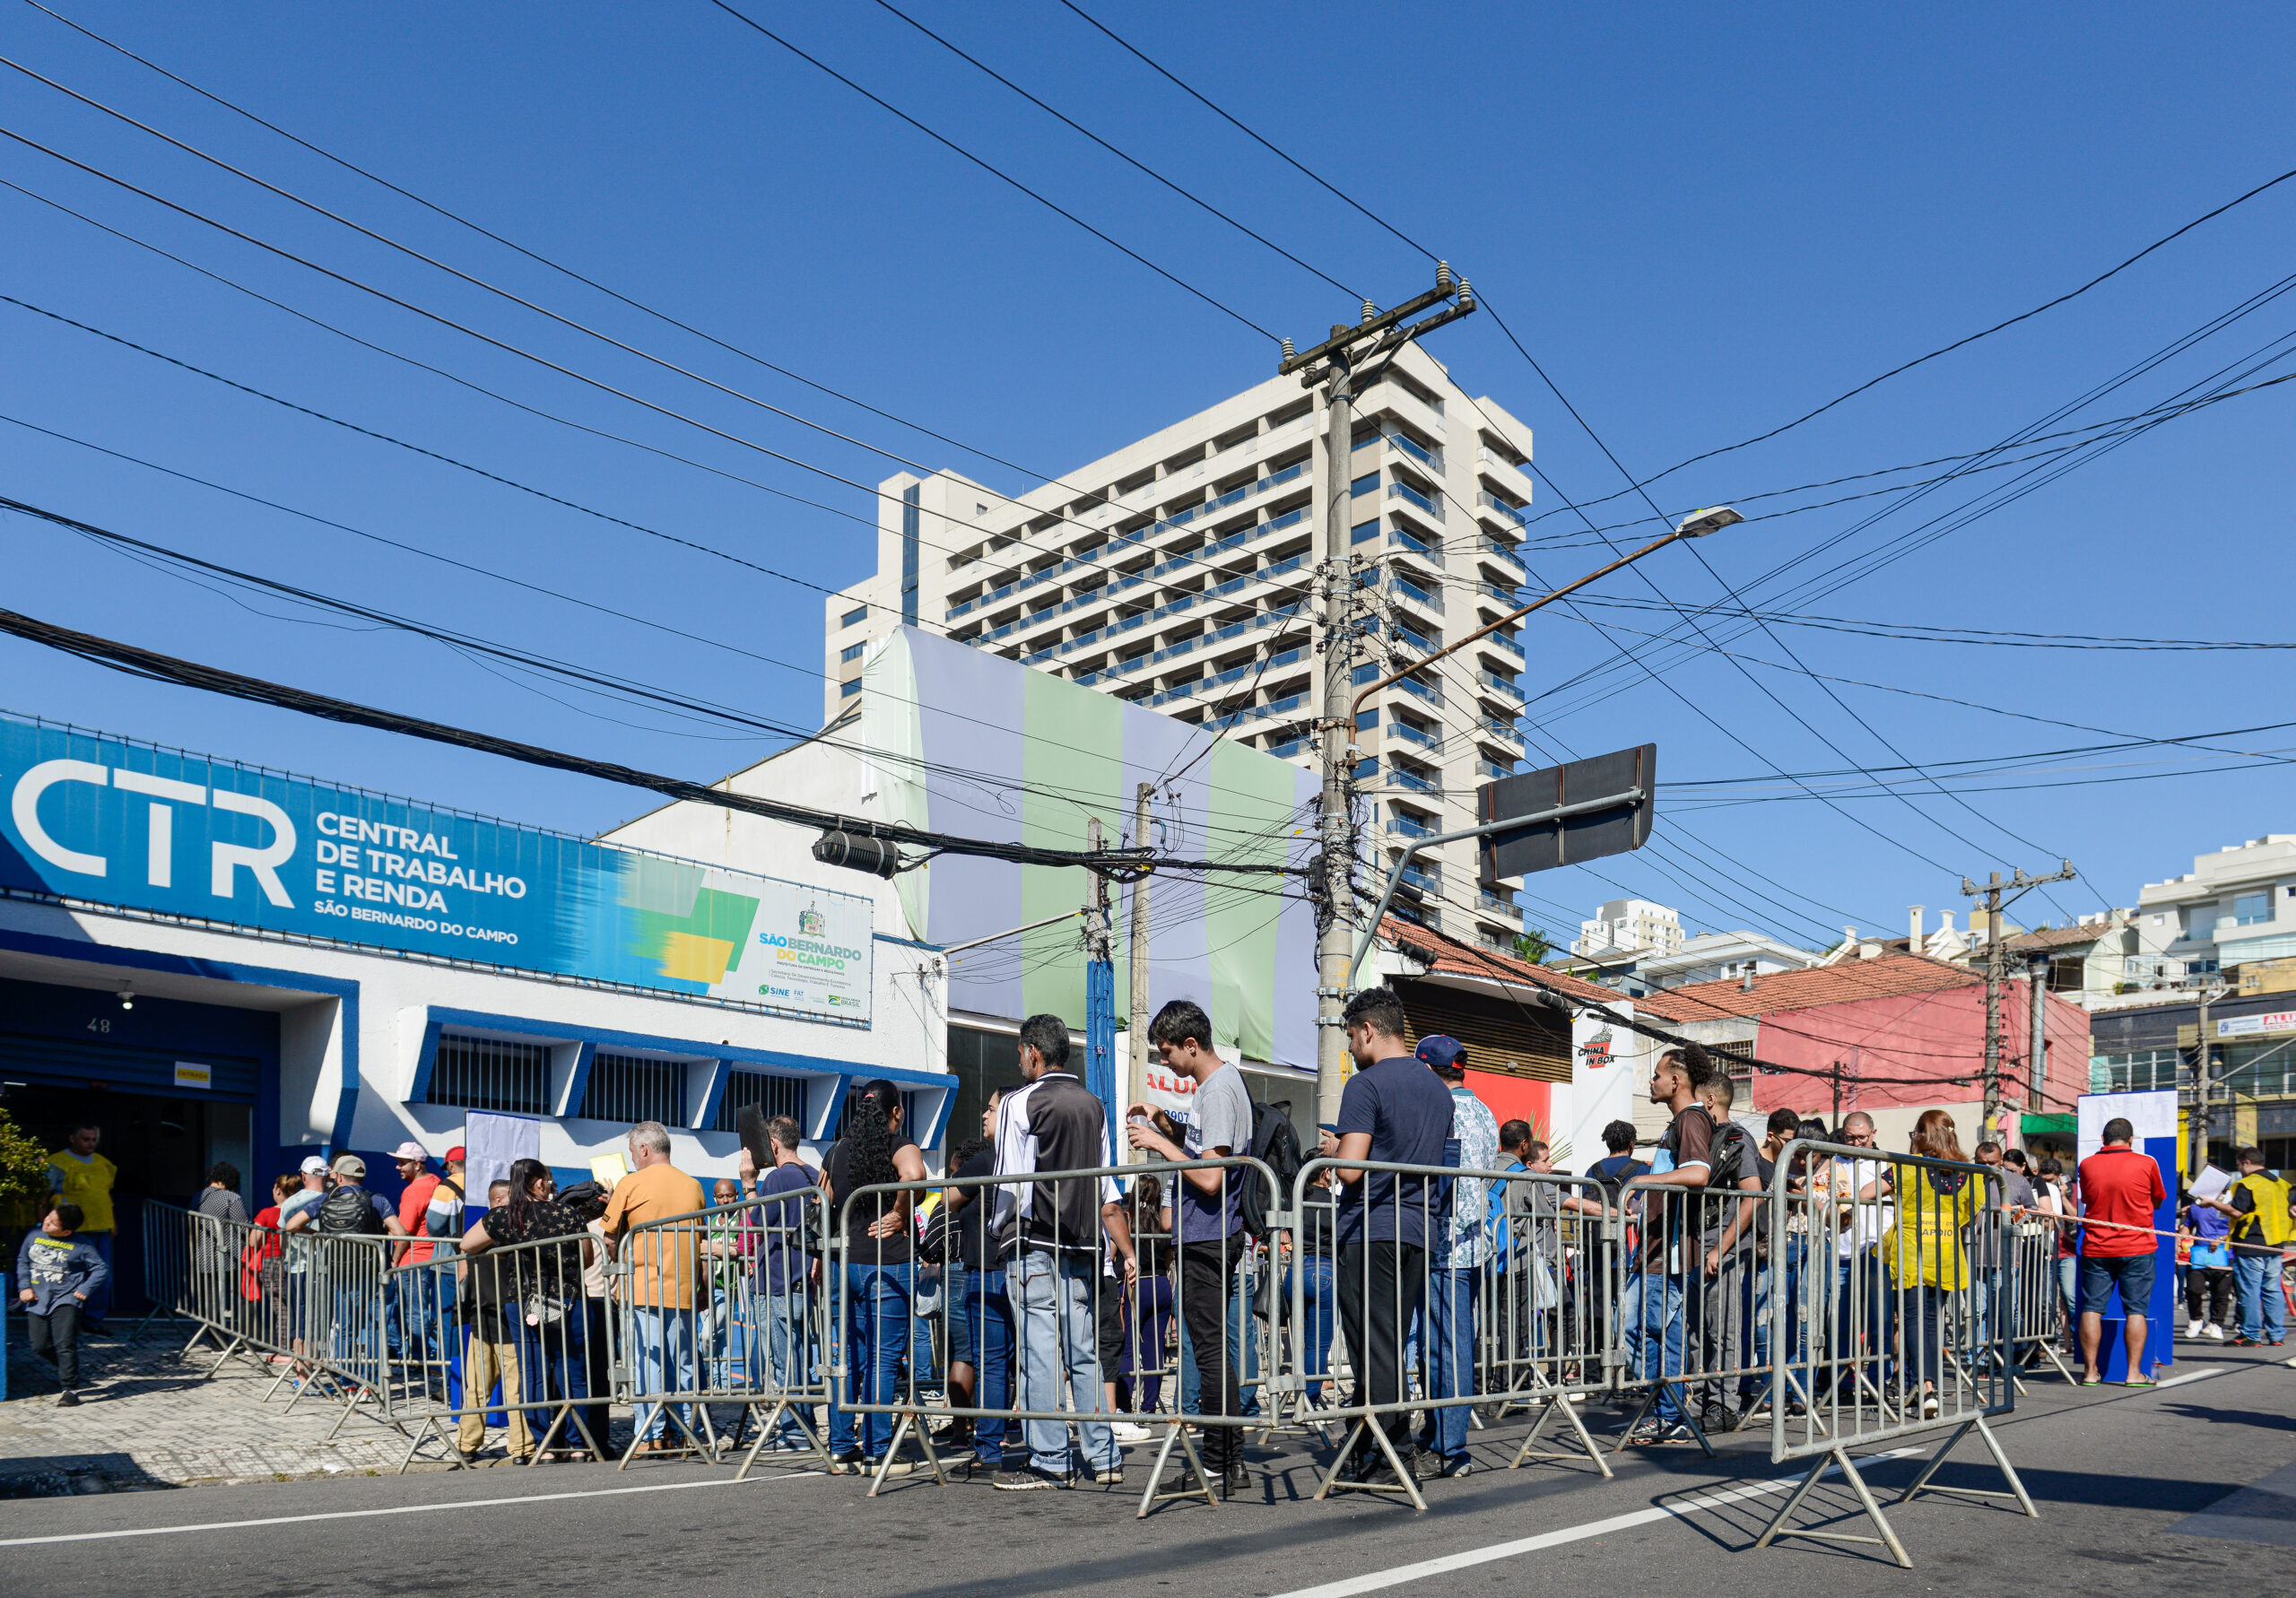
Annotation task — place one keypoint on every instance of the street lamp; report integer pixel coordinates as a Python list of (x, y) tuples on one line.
[(1697, 523)]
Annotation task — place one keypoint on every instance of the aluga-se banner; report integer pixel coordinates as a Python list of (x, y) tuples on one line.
[(105, 821)]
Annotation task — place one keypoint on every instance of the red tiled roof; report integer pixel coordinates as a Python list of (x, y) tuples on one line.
[(1447, 957), (2057, 937), (1850, 980)]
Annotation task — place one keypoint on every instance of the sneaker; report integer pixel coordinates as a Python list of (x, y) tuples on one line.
[(2192, 1328), (1929, 1406), (1113, 1476), (67, 1400), (2212, 1332), (1029, 1480), (1452, 1469), (1128, 1432), (2244, 1342), (1717, 1418), (898, 1467), (1650, 1430), (846, 1463)]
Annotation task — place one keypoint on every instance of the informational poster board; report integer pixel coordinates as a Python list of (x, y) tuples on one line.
[(2153, 1118), (490, 1143)]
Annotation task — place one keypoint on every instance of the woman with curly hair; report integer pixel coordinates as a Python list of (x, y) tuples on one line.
[(874, 1306)]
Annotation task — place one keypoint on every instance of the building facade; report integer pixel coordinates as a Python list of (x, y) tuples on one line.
[(2252, 1065), (1178, 572), (2235, 906), (1630, 926), (215, 961)]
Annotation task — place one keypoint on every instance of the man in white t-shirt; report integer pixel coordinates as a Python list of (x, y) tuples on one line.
[(1864, 1213)]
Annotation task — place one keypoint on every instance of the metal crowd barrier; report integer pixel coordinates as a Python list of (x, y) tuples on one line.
[(724, 1307), (1699, 1268), (1048, 1323), (1880, 1341), (314, 1305), (1451, 1293)]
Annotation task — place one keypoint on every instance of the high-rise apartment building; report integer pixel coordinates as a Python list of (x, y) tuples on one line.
[(1179, 572), (1630, 926)]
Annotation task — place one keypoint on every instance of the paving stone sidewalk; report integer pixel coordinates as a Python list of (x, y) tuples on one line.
[(152, 1416)]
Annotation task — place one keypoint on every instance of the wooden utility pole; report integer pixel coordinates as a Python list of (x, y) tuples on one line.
[(1996, 966)]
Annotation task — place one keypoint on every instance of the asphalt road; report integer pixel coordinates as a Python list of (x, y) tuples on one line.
[(2117, 1476)]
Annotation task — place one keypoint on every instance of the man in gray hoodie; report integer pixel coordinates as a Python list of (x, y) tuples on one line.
[(58, 1271)]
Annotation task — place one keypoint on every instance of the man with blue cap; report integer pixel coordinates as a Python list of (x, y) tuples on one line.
[(1456, 1257)]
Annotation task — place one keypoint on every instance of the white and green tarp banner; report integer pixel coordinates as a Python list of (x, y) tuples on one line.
[(961, 740)]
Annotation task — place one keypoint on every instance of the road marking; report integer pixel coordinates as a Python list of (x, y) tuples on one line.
[(1379, 1580), (2202, 1375), (289, 1519)]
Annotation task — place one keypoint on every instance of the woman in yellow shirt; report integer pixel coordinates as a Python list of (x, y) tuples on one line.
[(78, 1175), (1923, 1248)]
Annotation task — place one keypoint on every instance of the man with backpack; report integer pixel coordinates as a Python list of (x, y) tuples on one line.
[(350, 1211), (1208, 1214)]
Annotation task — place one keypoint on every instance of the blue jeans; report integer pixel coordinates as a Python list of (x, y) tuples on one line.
[(1315, 1307), (987, 1314), (2264, 1313), (875, 1332), (1872, 1302), (788, 1338), (1449, 1345), (1057, 1333), (665, 1364), (1650, 1312)]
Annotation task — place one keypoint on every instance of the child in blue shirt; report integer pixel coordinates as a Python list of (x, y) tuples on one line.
[(56, 1271)]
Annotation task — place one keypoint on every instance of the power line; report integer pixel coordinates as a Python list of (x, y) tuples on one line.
[(1119, 863), (996, 172)]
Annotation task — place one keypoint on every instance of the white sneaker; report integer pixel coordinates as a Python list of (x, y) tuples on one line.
[(2216, 1333), (2192, 1328), (1128, 1432)]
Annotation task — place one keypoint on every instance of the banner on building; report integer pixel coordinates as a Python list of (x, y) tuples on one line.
[(159, 830), (960, 740)]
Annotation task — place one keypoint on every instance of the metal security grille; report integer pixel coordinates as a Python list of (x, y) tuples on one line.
[(490, 1073), (631, 1088), (772, 1095)]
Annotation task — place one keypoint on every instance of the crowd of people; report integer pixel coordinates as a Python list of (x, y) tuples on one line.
[(1062, 1309)]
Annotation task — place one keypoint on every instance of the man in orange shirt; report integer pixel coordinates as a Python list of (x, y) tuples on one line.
[(663, 1279)]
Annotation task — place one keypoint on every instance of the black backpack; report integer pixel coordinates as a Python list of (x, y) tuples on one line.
[(1276, 1145), (349, 1211)]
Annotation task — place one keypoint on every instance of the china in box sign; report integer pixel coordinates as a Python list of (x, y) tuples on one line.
[(105, 821)]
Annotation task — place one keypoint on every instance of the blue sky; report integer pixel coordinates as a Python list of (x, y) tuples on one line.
[(1699, 224)]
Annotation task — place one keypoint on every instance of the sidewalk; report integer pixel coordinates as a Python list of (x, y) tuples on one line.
[(151, 1417)]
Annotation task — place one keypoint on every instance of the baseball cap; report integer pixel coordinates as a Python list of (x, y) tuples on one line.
[(350, 1165), (455, 1155), (410, 1150), (1440, 1052), (313, 1166)]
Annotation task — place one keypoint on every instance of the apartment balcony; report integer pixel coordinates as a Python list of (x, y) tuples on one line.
[(1501, 643), (1417, 784), (1432, 690), (1426, 505), (1412, 544), (1491, 904), (1497, 469), (1505, 687), (1487, 503), (1392, 399), (1408, 733), (1498, 552), (1404, 827), (1501, 727), (1493, 770), (1427, 879), (1417, 594), (1432, 459)]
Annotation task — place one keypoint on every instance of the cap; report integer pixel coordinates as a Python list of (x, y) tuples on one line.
[(314, 1166), (350, 1165), (1441, 1053), (410, 1150), (455, 1156)]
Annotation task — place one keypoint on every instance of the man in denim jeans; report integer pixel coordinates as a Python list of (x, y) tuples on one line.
[(785, 1225), (1651, 1308), (662, 1274), (1049, 1234)]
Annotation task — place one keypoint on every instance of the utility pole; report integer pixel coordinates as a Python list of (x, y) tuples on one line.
[(1137, 1028), (1996, 971), (2201, 1071), (1349, 357), (2037, 971), (1100, 987)]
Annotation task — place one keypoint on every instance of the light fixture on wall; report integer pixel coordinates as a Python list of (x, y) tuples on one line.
[(127, 996)]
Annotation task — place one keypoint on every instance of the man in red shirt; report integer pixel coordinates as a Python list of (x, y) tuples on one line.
[(2118, 1185), (413, 1308)]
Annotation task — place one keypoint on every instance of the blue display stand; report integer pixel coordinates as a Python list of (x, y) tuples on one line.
[(2145, 1112)]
